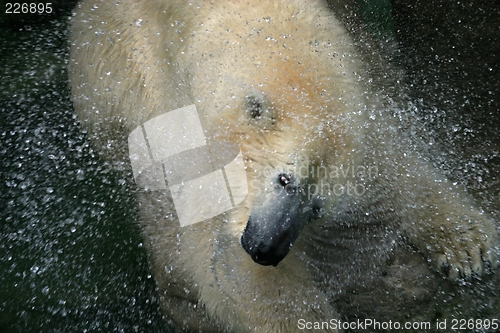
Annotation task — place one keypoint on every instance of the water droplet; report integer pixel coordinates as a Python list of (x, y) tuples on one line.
[(80, 174)]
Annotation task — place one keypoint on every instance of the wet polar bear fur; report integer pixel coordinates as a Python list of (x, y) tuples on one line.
[(282, 80)]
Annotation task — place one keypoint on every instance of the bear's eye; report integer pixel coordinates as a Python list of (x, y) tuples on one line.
[(284, 179), (254, 108), (257, 108)]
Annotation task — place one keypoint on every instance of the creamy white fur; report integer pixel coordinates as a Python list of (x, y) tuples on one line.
[(132, 61)]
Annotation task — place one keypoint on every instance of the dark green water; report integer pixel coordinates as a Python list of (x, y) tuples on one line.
[(71, 258)]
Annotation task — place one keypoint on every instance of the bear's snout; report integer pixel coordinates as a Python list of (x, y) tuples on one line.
[(265, 251), (275, 224)]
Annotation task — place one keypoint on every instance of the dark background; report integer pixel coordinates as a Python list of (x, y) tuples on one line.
[(71, 256)]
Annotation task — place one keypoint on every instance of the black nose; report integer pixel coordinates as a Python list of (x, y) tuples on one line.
[(275, 223), (264, 251)]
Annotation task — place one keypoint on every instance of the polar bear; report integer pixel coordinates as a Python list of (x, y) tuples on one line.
[(332, 185)]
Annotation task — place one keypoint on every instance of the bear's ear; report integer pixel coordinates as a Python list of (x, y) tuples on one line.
[(257, 109)]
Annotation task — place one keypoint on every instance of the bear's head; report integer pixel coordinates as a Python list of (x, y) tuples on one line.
[(291, 101)]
